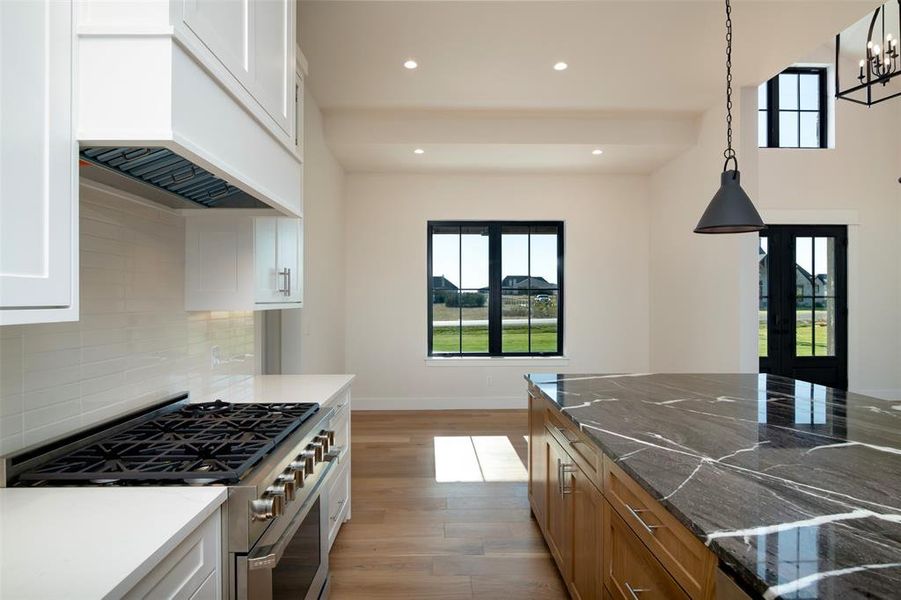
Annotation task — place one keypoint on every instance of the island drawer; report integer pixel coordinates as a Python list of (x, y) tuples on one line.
[(630, 570), (577, 445), (677, 549)]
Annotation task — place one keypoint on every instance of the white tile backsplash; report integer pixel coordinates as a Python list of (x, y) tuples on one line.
[(134, 344)]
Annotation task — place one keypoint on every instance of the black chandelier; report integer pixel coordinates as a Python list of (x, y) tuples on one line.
[(730, 210), (880, 63)]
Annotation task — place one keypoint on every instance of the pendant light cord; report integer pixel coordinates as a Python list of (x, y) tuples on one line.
[(729, 153)]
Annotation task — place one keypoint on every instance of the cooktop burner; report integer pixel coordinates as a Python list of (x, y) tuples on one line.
[(212, 442)]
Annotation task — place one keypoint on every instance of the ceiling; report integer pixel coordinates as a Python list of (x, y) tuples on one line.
[(625, 58)]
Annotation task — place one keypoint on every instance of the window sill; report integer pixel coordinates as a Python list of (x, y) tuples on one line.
[(496, 361)]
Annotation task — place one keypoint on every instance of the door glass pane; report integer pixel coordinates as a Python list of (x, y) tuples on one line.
[(788, 91), (544, 321), (824, 266), (761, 96), (824, 336), (474, 320), (810, 130), (810, 92), (804, 327), (803, 266), (514, 321), (788, 129), (763, 292), (515, 256)]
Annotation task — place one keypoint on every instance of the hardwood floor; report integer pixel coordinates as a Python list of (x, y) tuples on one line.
[(411, 536)]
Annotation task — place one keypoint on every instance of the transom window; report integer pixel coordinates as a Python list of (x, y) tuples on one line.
[(791, 110), (495, 288)]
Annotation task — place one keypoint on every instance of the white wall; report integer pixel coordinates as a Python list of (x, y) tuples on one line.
[(606, 269), (313, 336), (134, 344), (703, 287)]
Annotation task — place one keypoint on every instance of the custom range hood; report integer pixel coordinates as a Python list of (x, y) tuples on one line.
[(159, 116), (161, 175)]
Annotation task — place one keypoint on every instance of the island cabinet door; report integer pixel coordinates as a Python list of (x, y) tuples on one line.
[(586, 578), (559, 514), (538, 484)]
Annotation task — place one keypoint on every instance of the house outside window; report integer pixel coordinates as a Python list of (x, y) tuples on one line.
[(792, 110), (495, 288)]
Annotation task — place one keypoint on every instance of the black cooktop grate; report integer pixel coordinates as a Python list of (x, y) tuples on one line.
[(213, 442)]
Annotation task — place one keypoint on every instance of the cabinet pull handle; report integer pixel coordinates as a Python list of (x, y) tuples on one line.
[(559, 477), (635, 591), (283, 273), (636, 512), (288, 286), (565, 470)]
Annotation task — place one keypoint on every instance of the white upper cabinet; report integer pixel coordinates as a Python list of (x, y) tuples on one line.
[(224, 28), (254, 41), (38, 180), (243, 262)]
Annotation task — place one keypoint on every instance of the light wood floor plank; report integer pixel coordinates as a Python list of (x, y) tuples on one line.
[(414, 537)]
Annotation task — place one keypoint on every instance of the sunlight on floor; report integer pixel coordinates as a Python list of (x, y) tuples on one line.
[(477, 458)]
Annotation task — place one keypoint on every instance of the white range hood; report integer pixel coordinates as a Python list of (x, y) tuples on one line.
[(149, 87)]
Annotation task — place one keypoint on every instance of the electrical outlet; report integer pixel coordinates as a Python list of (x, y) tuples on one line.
[(215, 357), (489, 380)]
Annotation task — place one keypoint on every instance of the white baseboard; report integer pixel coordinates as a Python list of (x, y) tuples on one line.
[(884, 394), (449, 403)]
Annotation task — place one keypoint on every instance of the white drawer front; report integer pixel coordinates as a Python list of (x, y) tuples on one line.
[(338, 502), (189, 570)]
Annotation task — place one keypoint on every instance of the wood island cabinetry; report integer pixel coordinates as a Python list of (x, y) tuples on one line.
[(608, 536)]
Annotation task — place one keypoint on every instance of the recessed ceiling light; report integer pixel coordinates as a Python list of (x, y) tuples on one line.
[(410, 64), (419, 151), (560, 66), (597, 151)]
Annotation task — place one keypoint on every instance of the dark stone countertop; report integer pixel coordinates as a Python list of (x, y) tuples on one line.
[(795, 487)]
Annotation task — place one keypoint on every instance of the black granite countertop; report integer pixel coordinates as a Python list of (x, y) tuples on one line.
[(795, 487)]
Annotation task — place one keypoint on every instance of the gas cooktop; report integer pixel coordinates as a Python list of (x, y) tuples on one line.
[(213, 442)]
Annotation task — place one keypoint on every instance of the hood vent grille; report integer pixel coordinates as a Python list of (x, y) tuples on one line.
[(167, 171)]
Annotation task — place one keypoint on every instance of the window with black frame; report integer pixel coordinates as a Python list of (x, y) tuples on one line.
[(792, 110), (495, 288)]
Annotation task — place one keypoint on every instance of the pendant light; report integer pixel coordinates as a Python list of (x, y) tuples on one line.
[(731, 210)]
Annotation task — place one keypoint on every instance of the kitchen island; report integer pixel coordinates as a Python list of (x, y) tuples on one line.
[(776, 487)]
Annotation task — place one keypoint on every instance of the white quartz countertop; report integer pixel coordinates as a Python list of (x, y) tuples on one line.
[(90, 543), (323, 389)]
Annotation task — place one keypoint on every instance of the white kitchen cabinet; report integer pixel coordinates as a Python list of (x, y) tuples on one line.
[(254, 41), (191, 571), (243, 262), (38, 178), (339, 496)]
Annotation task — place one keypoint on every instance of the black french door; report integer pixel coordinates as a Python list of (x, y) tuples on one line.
[(803, 289)]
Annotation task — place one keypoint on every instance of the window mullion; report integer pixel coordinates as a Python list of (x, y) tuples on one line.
[(494, 289)]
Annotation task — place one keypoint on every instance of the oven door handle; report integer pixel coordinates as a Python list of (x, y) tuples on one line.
[(267, 557)]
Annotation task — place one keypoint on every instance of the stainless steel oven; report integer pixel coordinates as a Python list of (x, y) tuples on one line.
[(290, 560)]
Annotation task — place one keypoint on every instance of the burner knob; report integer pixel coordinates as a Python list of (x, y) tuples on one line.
[(262, 509), (277, 492), (298, 469), (287, 480), (316, 448), (330, 435), (326, 444), (309, 458)]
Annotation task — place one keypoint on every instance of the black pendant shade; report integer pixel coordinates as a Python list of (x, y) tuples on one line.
[(731, 210)]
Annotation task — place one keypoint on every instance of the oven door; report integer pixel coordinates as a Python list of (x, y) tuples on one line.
[(295, 565)]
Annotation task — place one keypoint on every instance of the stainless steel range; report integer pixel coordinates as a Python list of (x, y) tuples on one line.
[(274, 459)]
